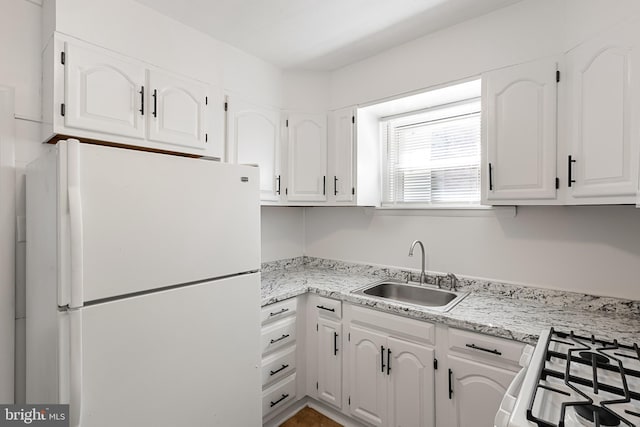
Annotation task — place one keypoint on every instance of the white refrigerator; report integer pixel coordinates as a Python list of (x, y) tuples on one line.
[(143, 288)]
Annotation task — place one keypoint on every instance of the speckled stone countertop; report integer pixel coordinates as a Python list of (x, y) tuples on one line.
[(497, 309)]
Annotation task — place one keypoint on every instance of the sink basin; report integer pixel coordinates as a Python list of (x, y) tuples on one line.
[(413, 294)]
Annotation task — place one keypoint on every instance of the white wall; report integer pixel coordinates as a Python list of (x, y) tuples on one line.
[(594, 250), (282, 232), (306, 91), (587, 249)]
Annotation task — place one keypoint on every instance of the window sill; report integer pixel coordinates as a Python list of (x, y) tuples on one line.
[(448, 211)]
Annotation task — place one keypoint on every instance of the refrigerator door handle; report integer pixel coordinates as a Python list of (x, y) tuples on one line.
[(75, 221), (75, 368)]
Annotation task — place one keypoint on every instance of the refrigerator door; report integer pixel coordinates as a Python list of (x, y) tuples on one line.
[(170, 358), (141, 221)]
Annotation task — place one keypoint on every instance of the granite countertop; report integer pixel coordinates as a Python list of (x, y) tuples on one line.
[(494, 309)]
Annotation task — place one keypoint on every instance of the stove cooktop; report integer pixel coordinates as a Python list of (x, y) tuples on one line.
[(586, 381)]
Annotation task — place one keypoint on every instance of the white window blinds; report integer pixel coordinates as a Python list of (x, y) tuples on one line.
[(433, 156)]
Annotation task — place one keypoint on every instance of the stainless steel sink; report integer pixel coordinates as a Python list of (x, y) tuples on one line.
[(414, 294)]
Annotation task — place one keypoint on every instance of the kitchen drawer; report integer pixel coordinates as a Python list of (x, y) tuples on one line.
[(279, 395), (327, 307), (278, 334), (278, 310), (476, 345), (398, 326), (278, 365)]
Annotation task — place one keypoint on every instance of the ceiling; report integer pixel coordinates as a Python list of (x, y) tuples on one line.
[(320, 35)]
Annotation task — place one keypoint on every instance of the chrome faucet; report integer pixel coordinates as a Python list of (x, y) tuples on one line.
[(413, 245)]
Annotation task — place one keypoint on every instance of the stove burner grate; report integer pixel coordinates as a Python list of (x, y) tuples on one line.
[(587, 352)]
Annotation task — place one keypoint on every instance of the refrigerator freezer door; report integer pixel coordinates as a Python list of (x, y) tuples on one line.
[(171, 358), (149, 220)]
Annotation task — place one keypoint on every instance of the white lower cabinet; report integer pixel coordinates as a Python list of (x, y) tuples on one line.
[(325, 345), (476, 390), (391, 370), (479, 371)]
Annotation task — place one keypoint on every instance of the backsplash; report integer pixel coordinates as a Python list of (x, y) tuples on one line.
[(552, 297)]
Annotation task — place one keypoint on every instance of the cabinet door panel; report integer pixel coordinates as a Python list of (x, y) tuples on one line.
[(307, 146), (477, 391), (411, 392), (179, 107), (367, 382), (604, 103), (102, 92), (330, 362), (342, 156), (254, 138), (519, 112)]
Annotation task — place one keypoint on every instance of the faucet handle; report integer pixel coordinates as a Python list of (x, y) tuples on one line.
[(454, 281)]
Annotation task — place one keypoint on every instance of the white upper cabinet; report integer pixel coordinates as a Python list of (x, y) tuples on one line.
[(603, 129), (103, 93), (253, 134), (519, 131), (177, 110), (95, 94), (307, 158), (342, 153)]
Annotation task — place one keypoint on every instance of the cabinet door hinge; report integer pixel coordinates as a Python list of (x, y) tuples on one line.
[(353, 191), (316, 385), (349, 400), (226, 106), (316, 327), (557, 183), (557, 75), (353, 119), (62, 58), (286, 123), (206, 137), (206, 100), (349, 337), (62, 110), (435, 363), (286, 191)]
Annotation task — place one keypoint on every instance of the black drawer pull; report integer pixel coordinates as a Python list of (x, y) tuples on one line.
[(280, 339), (475, 347), (278, 370), (284, 310), (322, 307), (284, 396)]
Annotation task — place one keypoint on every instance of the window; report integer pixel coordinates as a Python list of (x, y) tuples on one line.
[(432, 157)]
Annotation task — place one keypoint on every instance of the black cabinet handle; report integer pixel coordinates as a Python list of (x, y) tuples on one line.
[(284, 396), (280, 339), (382, 359), (322, 307), (570, 167), (388, 361), (335, 343), (490, 177), (335, 185), (284, 310), (155, 103), (475, 347), (271, 373), (324, 185), (450, 384), (141, 100), (278, 179)]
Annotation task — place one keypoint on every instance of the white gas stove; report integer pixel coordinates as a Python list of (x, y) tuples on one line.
[(575, 380)]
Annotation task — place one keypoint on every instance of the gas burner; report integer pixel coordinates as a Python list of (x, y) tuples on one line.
[(589, 412), (589, 356)]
